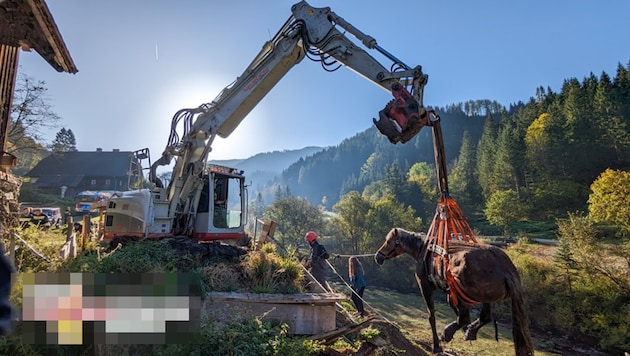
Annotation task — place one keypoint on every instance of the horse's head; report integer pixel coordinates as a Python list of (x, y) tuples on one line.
[(390, 248)]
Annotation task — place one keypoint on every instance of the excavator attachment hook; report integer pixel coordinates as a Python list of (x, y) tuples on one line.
[(402, 118)]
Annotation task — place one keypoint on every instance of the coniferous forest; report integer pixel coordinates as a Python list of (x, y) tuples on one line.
[(548, 150)]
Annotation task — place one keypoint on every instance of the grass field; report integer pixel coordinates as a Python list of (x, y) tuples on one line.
[(408, 312)]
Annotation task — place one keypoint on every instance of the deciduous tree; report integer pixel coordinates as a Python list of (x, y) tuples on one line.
[(31, 117), (609, 200), (31, 114), (581, 251), (385, 214), (351, 220), (503, 209), (295, 216)]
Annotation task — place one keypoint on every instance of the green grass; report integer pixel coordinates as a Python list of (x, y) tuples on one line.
[(536, 229), (408, 312)]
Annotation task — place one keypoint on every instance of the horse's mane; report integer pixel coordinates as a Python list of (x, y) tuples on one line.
[(410, 239)]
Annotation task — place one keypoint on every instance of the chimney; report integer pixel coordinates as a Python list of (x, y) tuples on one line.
[(98, 149), (116, 150)]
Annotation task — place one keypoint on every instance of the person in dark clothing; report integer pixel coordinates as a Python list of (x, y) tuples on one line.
[(317, 257), (39, 219), (357, 282), (220, 208), (67, 214), (25, 217), (5, 291)]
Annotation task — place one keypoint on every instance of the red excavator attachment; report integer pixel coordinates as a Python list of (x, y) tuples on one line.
[(401, 118)]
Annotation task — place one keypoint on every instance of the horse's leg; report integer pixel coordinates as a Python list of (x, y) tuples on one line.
[(463, 319), (450, 329), (427, 290), (485, 316)]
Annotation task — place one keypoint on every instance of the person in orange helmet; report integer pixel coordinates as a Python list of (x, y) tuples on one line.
[(317, 257)]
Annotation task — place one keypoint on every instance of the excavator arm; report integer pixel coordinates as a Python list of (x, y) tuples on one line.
[(314, 32)]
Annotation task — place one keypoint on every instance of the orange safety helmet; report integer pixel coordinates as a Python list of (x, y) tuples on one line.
[(310, 236)]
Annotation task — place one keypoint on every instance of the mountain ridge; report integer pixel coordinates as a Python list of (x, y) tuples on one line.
[(264, 167)]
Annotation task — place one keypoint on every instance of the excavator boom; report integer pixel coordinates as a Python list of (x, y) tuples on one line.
[(316, 33)]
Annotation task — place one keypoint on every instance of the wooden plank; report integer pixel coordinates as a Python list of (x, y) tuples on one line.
[(330, 336), (301, 319), (311, 298)]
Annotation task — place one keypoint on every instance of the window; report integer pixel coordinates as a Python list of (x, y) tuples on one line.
[(93, 182), (107, 182)]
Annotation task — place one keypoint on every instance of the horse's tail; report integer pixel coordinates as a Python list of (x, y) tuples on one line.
[(523, 345)]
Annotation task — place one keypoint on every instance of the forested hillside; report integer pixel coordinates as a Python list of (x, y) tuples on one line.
[(360, 160), (548, 150)]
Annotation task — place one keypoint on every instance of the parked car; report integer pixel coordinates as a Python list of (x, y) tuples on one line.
[(55, 218)]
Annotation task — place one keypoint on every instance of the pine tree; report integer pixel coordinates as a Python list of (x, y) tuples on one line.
[(64, 141), (463, 178), (486, 152), (506, 172)]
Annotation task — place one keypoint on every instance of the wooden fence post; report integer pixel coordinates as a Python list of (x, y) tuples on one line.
[(70, 225), (85, 231)]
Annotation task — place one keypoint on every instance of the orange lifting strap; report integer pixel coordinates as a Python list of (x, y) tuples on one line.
[(449, 222)]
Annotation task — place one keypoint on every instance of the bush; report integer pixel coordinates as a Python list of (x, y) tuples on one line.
[(268, 272), (566, 297), (243, 336), (32, 196)]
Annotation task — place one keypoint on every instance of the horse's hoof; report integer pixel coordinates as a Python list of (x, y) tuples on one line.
[(449, 331), (470, 335)]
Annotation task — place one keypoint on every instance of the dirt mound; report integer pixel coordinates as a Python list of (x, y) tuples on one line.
[(185, 245)]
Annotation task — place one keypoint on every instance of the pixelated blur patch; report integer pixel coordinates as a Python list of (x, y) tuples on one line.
[(110, 308)]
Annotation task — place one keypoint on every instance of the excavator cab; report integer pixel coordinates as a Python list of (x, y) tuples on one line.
[(221, 211)]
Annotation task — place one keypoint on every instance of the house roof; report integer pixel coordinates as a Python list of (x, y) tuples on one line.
[(59, 181), (72, 164), (28, 24)]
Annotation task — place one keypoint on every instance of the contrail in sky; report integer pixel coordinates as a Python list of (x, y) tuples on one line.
[(157, 57)]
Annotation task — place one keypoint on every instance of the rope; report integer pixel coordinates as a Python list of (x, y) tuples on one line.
[(328, 290), (365, 303), (33, 250), (348, 256), (363, 300)]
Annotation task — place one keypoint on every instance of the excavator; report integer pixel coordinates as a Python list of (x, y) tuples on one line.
[(209, 202)]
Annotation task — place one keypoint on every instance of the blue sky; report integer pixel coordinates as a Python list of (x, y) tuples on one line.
[(125, 94)]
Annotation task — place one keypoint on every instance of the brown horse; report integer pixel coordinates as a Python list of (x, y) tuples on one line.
[(484, 274)]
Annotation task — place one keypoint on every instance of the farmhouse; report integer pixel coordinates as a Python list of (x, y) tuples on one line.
[(67, 173)]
